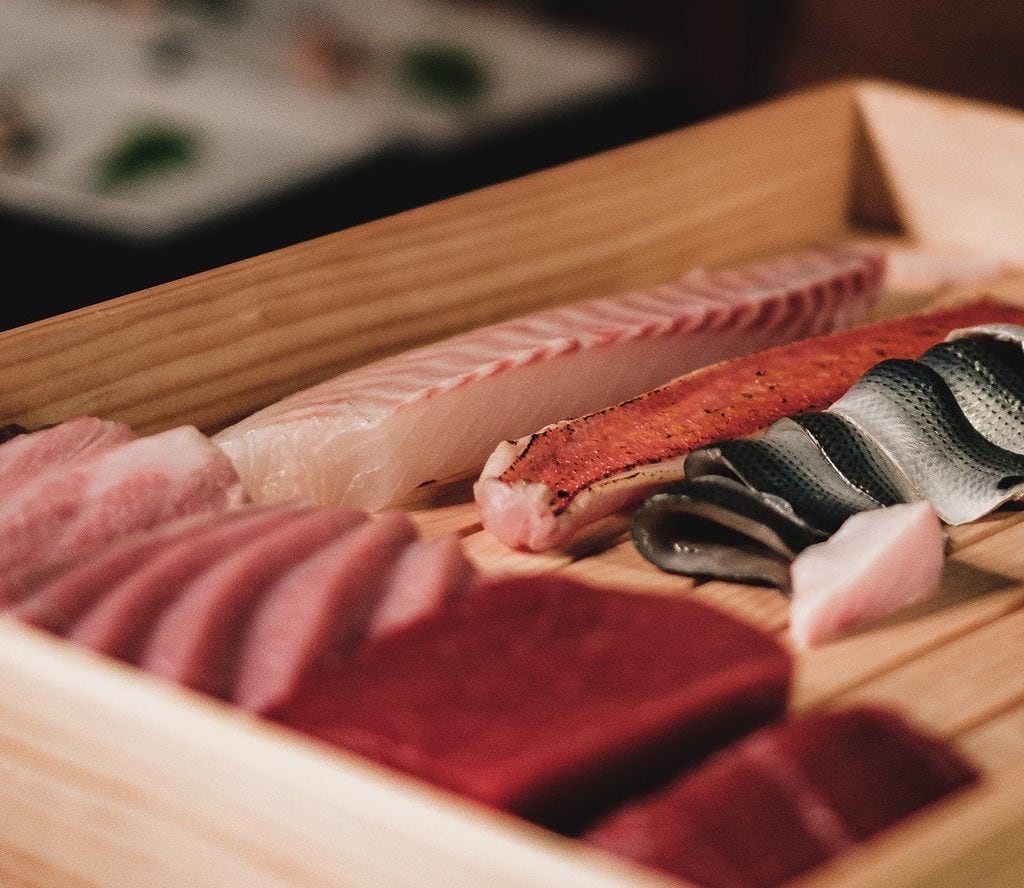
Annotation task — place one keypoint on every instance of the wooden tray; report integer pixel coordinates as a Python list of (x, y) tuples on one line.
[(108, 777)]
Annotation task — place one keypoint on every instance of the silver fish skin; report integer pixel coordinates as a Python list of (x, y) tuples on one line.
[(984, 369), (908, 411), (786, 462), (681, 535), (699, 505), (853, 455)]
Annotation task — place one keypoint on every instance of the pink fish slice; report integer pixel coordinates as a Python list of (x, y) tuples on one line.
[(323, 604), (194, 640), (126, 604), (878, 563)]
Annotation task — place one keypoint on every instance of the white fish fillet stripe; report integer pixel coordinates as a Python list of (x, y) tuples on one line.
[(731, 302)]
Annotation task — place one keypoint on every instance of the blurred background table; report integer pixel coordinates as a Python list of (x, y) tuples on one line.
[(145, 140)]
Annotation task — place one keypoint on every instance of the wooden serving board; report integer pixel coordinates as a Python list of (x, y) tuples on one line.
[(108, 777)]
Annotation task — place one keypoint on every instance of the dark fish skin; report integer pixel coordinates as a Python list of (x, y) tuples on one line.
[(737, 508), (687, 530), (907, 409), (853, 455), (785, 462), (986, 376)]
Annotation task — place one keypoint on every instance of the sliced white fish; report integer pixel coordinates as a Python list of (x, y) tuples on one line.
[(877, 564), (371, 436)]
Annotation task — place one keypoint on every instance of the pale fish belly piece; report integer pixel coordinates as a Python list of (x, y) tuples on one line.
[(909, 412), (877, 564), (984, 369), (372, 436)]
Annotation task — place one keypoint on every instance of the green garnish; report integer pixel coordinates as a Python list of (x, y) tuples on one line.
[(444, 71), (146, 150)]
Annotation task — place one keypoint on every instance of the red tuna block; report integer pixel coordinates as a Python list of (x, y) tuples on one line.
[(547, 697), (786, 799)]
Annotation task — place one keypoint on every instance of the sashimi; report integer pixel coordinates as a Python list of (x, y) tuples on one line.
[(27, 456), (787, 799), (93, 501), (430, 574), (125, 600), (322, 605), (373, 435), (877, 564), (548, 697), (536, 492), (195, 640)]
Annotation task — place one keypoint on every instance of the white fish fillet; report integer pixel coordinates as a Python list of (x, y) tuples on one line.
[(878, 563), (371, 436)]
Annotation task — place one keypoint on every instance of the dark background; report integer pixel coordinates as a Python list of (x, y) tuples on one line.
[(706, 59)]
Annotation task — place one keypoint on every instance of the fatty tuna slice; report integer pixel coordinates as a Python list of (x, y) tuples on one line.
[(194, 641), (787, 799), (877, 564), (538, 491), (322, 605), (31, 455), (125, 604), (428, 576), (372, 436), (547, 697), (132, 487)]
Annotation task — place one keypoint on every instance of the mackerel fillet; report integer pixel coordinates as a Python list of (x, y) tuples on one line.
[(538, 491)]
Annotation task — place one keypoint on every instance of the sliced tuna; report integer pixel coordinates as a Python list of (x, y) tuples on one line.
[(548, 697), (787, 799), (30, 455), (134, 486), (195, 640), (322, 605), (126, 603), (429, 575)]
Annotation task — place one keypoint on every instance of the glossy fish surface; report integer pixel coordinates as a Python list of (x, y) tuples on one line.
[(853, 455), (718, 527), (984, 369), (907, 409), (785, 462)]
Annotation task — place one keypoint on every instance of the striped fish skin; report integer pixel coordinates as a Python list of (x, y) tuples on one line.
[(853, 456), (372, 436), (910, 413), (785, 462), (717, 527), (984, 369)]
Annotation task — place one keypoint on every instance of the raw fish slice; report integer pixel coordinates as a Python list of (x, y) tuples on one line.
[(787, 463), (132, 487), (195, 640), (853, 455), (430, 574), (911, 415), (787, 799), (536, 492), (548, 697), (30, 455), (984, 368), (373, 435), (717, 527), (877, 564), (323, 604), (114, 608)]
